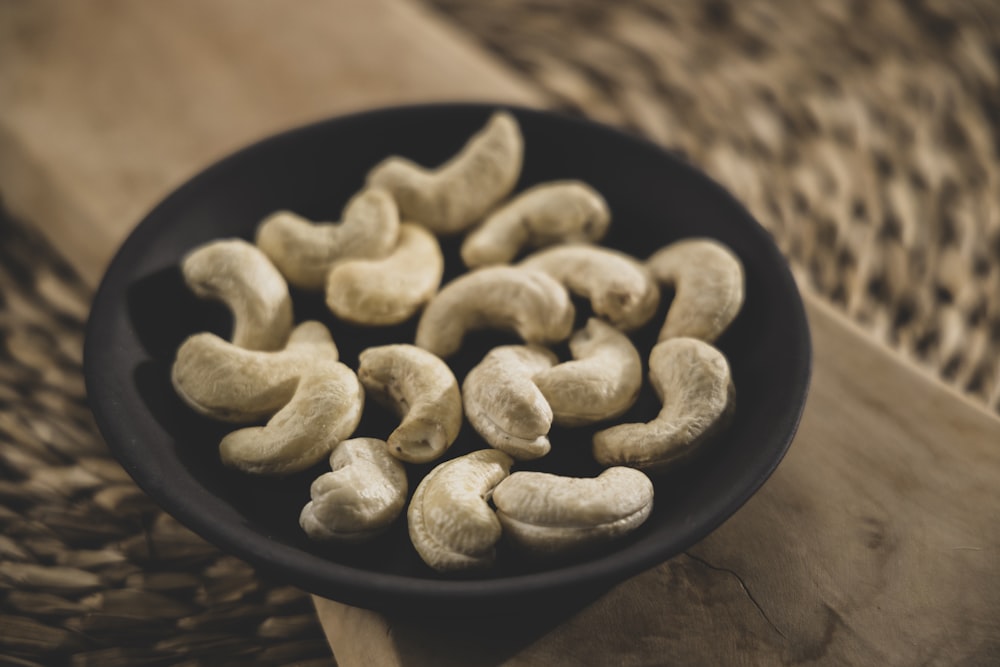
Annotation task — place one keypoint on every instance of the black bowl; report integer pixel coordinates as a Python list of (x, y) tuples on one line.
[(142, 312)]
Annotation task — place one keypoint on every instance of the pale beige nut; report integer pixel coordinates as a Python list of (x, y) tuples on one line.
[(451, 523), (556, 212), (549, 515), (602, 382), (223, 381), (389, 290), (693, 381), (504, 405), (527, 302), (420, 388), (620, 289), (460, 192), (325, 409), (241, 276), (360, 497), (708, 280), (305, 251)]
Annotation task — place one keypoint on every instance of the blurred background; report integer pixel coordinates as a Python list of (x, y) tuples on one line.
[(864, 135)]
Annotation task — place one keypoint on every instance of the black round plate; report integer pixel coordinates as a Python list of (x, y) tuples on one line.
[(143, 311)]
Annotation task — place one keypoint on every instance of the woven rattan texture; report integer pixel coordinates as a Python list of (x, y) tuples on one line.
[(91, 573), (864, 135)]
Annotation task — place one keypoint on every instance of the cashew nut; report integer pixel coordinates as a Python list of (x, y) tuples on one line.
[(305, 251), (225, 382), (602, 382), (389, 290), (460, 192), (451, 523), (550, 514), (693, 382), (422, 390), (500, 297), (557, 212), (504, 405), (241, 276), (620, 289), (364, 493), (708, 279), (325, 409)]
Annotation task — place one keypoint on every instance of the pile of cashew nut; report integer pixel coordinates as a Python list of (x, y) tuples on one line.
[(383, 265)]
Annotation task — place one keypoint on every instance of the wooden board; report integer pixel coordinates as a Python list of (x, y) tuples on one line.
[(875, 541), (108, 105)]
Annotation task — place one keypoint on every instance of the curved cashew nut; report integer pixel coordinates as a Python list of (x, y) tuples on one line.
[(500, 297), (389, 290), (620, 289), (557, 212), (422, 390), (708, 279), (304, 251), (504, 405), (241, 276), (325, 409), (602, 382), (551, 514), (225, 382), (693, 381), (364, 493), (451, 523), (458, 193)]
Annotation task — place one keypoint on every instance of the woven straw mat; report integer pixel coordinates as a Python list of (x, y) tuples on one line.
[(863, 135)]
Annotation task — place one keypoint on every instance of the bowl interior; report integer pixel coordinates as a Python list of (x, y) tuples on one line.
[(143, 311)]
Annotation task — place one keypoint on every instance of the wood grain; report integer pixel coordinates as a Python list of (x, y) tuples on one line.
[(108, 105), (874, 543)]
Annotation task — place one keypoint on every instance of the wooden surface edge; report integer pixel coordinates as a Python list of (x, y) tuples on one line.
[(816, 303), (785, 619), (356, 636), (88, 146), (26, 192)]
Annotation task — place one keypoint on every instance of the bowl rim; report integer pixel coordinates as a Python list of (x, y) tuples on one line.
[(376, 589)]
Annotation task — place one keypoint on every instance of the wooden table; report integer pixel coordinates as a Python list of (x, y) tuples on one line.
[(875, 542)]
